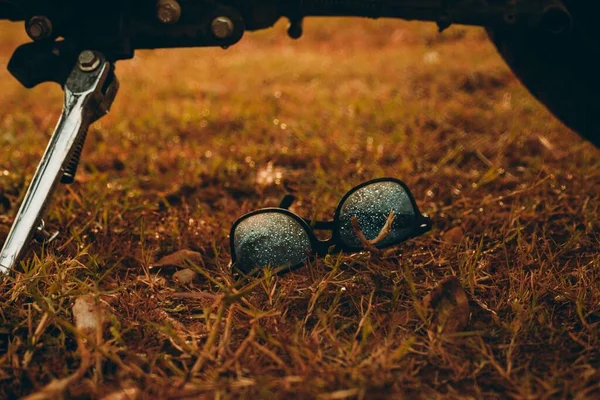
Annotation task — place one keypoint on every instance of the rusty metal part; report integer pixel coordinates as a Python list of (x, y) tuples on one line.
[(125, 26), (168, 11), (88, 61), (222, 27), (39, 28)]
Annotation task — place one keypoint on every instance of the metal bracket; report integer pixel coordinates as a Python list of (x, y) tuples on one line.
[(89, 92)]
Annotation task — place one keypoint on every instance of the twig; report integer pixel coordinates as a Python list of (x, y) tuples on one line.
[(241, 348), (386, 230), (370, 244), (57, 387), (361, 236)]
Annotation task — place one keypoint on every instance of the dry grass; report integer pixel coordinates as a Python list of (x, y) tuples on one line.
[(199, 137)]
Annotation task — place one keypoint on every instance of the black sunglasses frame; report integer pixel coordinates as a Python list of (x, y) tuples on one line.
[(334, 244)]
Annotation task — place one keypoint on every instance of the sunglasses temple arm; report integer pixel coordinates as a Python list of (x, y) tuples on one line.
[(287, 201)]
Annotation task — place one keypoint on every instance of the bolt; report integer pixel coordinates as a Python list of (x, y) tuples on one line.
[(42, 236), (556, 19), (222, 27), (39, 28), (88, 61), (168, 11)]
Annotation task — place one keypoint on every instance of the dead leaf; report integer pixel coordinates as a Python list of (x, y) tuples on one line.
[(185, 276), (180, 259), (454, 235), (450, 306)]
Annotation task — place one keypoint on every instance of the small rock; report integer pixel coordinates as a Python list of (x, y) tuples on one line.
[(185, 276), (88, 315)]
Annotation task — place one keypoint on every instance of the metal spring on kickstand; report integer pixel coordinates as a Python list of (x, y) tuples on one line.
[(71, 169)]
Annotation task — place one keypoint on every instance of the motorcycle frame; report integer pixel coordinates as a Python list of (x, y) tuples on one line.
[(118, 28)]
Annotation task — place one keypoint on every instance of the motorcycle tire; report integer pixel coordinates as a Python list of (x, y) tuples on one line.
[(561, 71)]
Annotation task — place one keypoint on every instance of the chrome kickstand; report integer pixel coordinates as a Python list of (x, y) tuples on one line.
[(89, 92)]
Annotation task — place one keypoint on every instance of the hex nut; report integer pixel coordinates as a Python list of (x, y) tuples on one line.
[(88, 61), (168, 11), (39, 28), (222, 27)]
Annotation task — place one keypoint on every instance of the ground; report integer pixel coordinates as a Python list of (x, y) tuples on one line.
[(199, 137)]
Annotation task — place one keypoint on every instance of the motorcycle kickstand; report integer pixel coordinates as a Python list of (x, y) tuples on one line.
[(89, 93)]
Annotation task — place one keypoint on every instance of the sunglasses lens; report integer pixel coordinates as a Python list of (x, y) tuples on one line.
[(372, 205), (270, 239)]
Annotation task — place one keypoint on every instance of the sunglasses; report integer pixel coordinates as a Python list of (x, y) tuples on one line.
[(382, 211)]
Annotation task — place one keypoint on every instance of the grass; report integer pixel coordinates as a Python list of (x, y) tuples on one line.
[(199, 137)]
